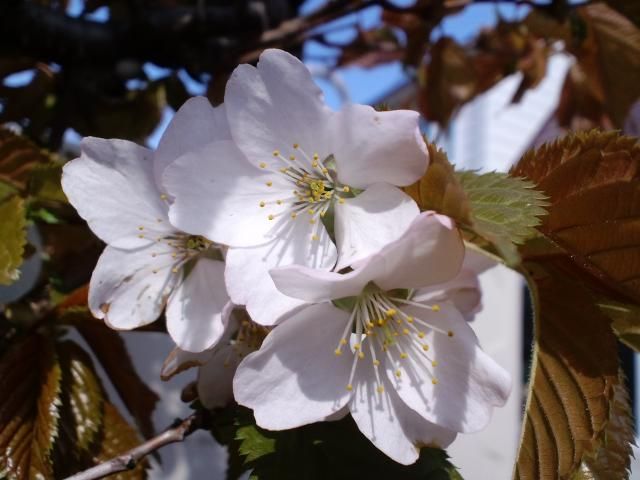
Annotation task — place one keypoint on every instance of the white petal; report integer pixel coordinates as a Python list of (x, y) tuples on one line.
[(388, 423), (371, 147), (129, 288), (366, 223), (463, 291), (194, 125), (429, 252), (179, 360), (295, 378), (198, 309), (470, 384), (247, 272), (275, 106), (215, 378), (217, 194), (112, 187)]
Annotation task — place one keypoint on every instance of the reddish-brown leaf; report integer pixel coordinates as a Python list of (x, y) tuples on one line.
[(30, 382)]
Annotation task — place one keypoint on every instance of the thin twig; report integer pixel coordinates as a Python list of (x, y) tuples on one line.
[(128, 460)]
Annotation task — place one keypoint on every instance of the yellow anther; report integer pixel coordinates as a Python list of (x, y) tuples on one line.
[(325, 170), (314, 164), (450, 333), (436, 308), (322, 214), (312, 221), (434, 381), (349, 387), (163, 196), (434, 363), (140, 236), (376, 363), (263, 165), (140, 228), (311, 211), (276, 153), (391, 312), (316, 156), (356, 346), (360, 355), (346, 188), (425, 347), (380, 389), (370, 324), (292, 157), (279, 202), (381, 322), (270, 217), (174, 269), (295, 145), (294, 214), (338, 352), (315, 238), (398, 373), (421, 334), (284, 170), (403, 355), (340, 200), (174, 255), (405, 331), (262, 204), (410, 319), (343, 341), (269, 184)]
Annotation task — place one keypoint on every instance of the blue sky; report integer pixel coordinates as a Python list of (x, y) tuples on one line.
[(361, 85)]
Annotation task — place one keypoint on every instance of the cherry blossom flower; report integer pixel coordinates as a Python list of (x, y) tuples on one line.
[(293, 169), (217, 365), (409, 370), (147, 262)]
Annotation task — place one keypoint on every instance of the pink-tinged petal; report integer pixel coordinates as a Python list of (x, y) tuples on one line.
[(180, 360), (129, 288), (463, 292), (429, 252), (215, 378), (274, 106), (218, 194), (198, 309), (469, 383), (368, 222), (195, 124), (388, 423), (112, 187), (247, 271), (295, 378), (372, 147)]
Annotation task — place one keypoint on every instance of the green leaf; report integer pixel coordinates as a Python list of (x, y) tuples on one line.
[(30, 379), (45, 183), (625, 321), (335, 450), (13, 238)]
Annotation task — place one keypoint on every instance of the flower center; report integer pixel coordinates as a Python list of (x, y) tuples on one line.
[(380, 329), (313, 183), (248, 338)]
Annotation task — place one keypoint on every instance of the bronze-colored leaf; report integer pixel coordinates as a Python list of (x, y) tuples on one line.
[(13, 238), (439, 189), (631, 10), (109, 348), (85, 395), (18, 157), (575, 372), (30, 379), (117, 438), (593, 181), (613, 459)]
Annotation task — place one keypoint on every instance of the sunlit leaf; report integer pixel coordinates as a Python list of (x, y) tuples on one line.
[(574, 374), (593, 181), (13, 237), (612, 460), (625, 321), (30, 382)]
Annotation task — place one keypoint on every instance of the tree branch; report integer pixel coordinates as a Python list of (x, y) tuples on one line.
[(128, 460)]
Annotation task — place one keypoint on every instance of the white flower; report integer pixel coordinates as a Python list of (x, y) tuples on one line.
[(114, 188), (217, 366), (293, 165), (410, 371)]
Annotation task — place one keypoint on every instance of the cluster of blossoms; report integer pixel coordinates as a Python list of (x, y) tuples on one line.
[(290, 265)]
